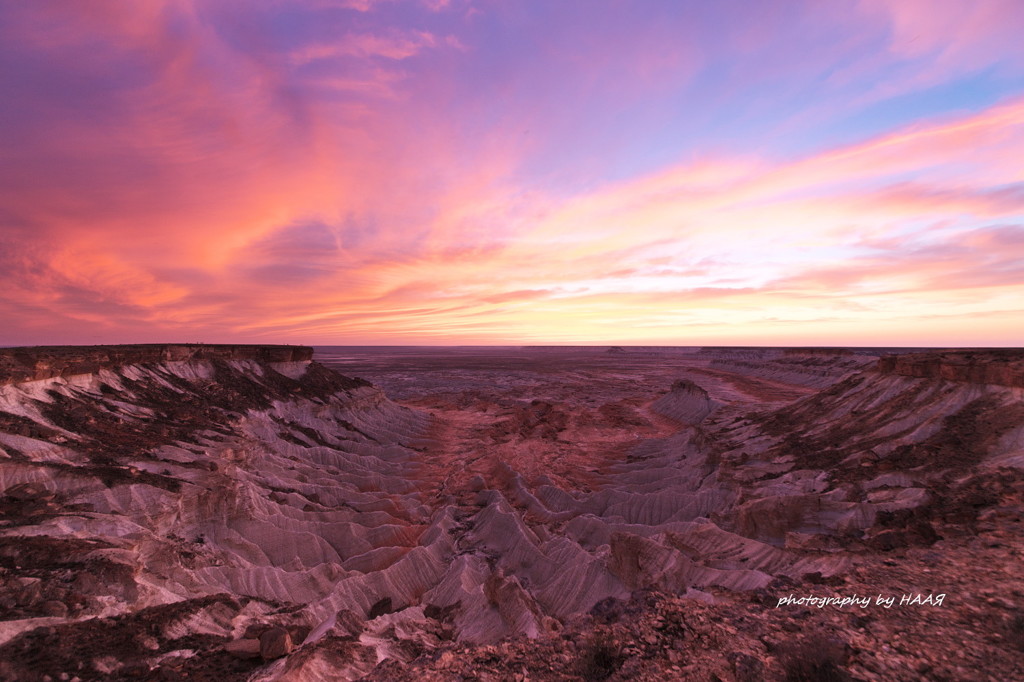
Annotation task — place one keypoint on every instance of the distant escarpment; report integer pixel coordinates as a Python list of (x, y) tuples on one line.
[(1000, 367), (812, 367), (46, 362)]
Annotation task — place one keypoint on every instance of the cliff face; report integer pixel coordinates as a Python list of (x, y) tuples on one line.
[(999, 367), (46, 362)]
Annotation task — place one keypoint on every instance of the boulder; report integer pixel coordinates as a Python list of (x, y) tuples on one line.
[(275, 643), (244, 648), (54, 609)]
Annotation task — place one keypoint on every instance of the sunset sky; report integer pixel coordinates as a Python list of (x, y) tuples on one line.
[(512, 172)]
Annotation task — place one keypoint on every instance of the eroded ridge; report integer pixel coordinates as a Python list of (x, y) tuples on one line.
[(252, 514)]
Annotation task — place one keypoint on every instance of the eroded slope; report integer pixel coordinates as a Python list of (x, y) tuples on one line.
[(241, 513)]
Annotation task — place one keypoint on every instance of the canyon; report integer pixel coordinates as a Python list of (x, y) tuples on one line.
[(251, 512)]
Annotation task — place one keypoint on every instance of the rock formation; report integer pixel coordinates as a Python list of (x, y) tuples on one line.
[(686, 402), (246, 513)]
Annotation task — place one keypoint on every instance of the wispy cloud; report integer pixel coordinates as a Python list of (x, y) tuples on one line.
[(396, 46)]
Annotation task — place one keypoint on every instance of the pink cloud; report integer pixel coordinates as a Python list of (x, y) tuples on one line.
[(369, 5), (951, 31), (948, 38), (690, 216), (396, 46)]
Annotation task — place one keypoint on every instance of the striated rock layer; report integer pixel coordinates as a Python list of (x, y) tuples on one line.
[(246, 513)]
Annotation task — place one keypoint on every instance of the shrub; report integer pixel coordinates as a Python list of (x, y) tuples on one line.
[(1015, 630), (600, 658), (813, 659)]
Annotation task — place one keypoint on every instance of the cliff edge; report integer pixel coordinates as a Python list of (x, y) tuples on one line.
[(33, 363), (996, 366)]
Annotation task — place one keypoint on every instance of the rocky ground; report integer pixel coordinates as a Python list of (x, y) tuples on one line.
[(976, 633), (242, 513)]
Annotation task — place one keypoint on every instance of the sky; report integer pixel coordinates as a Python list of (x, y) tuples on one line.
[(435, 172)]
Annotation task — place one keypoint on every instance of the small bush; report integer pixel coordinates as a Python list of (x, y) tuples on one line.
[(600, 658), (813, 659), (1015, 630)]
